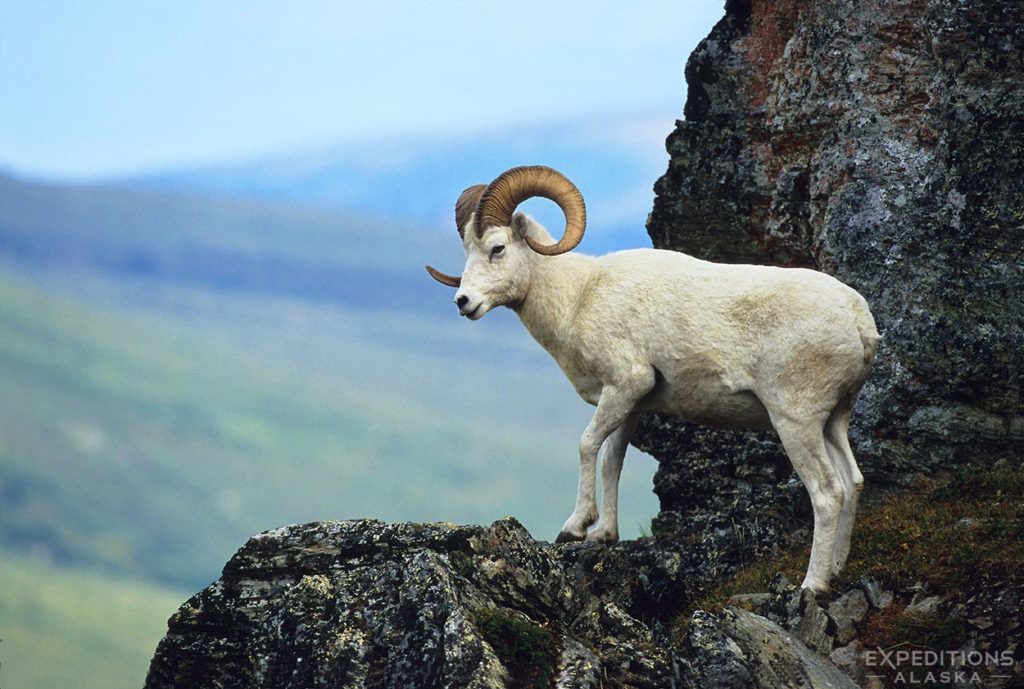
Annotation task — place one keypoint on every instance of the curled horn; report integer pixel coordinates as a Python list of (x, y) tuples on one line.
[(464, 208), (512, 187), (467, 204)]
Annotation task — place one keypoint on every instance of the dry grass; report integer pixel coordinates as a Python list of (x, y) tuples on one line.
[(956, 533)]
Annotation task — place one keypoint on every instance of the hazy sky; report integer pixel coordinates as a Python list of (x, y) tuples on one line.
[(103, 87)]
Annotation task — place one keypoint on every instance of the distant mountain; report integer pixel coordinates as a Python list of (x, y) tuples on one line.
[(615, 162), (223, 244)]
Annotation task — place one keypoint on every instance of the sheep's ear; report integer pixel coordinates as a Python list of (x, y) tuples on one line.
[(521, 224)]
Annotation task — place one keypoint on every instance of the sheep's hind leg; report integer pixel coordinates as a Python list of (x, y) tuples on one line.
[(615, 405), (804, 442), (837, 439), (607, 528)]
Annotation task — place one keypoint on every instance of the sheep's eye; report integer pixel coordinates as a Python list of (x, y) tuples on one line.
[(498, 250)]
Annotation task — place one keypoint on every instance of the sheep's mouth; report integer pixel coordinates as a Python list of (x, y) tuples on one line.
[(472, 315)]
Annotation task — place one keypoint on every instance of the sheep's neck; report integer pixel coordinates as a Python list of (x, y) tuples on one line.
[(557, 287)]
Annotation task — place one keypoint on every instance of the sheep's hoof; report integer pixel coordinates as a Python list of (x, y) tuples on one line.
[(816, 589), (603, 537), (568, 537)]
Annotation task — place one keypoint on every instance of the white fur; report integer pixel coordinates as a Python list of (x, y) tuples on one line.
[(732, 346)]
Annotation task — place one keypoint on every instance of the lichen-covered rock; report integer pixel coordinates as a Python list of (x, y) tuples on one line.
[(368, 604), (727, 499), (741, 650), (880, 142), (847, 612)]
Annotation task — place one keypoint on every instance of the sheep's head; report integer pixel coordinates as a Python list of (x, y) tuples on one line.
[(501, 244)]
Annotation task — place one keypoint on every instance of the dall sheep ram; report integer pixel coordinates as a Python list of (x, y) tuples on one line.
[(647, 330)]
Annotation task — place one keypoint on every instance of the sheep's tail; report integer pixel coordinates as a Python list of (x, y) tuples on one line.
[(869, 336)]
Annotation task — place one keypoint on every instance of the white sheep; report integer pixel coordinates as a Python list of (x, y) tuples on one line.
[(646, 330)]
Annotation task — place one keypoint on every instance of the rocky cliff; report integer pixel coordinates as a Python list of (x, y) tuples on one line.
[(365, 604), (352, 604), (881, 141)]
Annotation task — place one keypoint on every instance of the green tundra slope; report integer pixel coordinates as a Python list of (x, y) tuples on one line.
[(77, 628), (147, 451)]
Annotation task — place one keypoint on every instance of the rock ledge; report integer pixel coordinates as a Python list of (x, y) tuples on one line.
[(369, 604)]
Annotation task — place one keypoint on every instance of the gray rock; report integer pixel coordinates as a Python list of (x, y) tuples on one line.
[(580, 667), (847, 611), (981, 622), (749, 601), (848, 659), (741, 649), (367, 604), (877, 597), (809, 622), (718, 661), (780, 585), (420, 605), (923, 605)]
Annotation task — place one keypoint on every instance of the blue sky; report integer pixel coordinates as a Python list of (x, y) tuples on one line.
[(95, 89)]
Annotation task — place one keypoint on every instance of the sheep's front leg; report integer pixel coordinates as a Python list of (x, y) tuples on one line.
[(607, 528), (615, 405)]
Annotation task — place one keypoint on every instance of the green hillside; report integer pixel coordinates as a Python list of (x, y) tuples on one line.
[(151, 452), (74, 628)]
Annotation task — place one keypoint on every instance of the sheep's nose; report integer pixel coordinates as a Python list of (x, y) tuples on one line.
[(461, 301)]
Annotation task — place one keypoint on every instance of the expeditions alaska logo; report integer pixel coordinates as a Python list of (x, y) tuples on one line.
[(920, 667)]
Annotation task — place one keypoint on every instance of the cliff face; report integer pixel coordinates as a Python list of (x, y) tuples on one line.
[(352, 604), (365, 604), (880, 142)]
